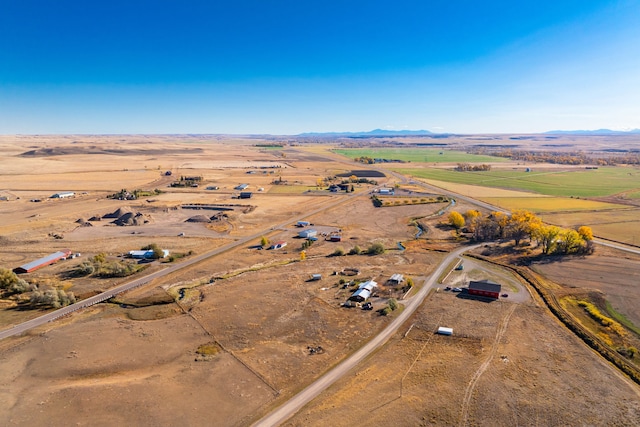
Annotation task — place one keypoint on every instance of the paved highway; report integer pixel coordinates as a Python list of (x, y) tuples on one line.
[(298, 401)]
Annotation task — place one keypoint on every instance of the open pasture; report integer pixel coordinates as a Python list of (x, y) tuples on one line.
[(291, 189), (619, 225), (563, 182), (419, 155), (80, 181), (549, 204)]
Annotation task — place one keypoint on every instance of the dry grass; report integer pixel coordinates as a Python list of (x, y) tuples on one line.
[(252, 329)]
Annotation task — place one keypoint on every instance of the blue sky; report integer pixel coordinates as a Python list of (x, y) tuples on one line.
[(286, 67)]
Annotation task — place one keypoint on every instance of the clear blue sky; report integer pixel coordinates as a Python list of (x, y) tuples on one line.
[(286, 67)]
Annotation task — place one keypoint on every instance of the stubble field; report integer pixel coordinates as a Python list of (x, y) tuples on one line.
[(229, 338)]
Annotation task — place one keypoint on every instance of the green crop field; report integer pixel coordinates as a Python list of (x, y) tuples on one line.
[(418, 155), (574, 182)]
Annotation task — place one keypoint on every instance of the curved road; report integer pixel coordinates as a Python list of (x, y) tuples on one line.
[(298, 401)]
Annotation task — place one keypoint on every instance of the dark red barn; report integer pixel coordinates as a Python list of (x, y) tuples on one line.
[(485, 288)]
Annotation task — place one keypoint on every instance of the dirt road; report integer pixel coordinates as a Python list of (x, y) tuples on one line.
[(294, 404)]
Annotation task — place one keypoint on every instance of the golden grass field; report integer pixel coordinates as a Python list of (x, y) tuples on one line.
[(139, 359)]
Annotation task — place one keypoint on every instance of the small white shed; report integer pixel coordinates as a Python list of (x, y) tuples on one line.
[(445, 331)]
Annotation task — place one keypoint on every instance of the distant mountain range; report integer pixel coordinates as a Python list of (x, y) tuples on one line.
[(376, 133), (371, 133), (595, 132)]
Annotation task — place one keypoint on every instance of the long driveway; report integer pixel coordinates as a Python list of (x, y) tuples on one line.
[(298, 401)]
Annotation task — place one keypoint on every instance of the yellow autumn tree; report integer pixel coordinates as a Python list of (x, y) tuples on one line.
[(586, 233), (471, 217), (456, 220), (521, 224)]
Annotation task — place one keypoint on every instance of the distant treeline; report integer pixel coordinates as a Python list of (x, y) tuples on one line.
[(269, 145), (562, 158), (369, 160), (466, 167)]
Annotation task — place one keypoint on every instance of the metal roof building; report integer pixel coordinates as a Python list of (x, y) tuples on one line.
[(369, 285), (396, 279), (484, 288), (445, 331), (63, 195), (305, 234), (360, 295), (147, 254), (42, 262)]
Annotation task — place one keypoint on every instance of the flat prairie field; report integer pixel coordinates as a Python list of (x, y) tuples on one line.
[(421, 378), (79, 181), (418, 155), (550, 204), (291, 189), (568, 181), (226, 339), (619, 225)]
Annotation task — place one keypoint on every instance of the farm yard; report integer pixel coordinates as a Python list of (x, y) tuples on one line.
[(250, 327)]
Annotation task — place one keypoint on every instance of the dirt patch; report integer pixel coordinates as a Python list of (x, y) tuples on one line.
[(199, 218), (423, 378), (118, 213), (363, 173), (615, 274), (115, 371), (131, 219)]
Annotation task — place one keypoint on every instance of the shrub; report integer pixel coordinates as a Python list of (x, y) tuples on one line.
[(55, 298), (157, 251), (393, 304), (628, 352), (376, 249), (85, 268), (11, 283), (355, 250), (338, 252)]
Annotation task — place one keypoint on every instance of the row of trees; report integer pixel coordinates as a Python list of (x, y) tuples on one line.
[(563, 158), (375, 249), (49, 293), (521, 225), (101, 267), (11, 284), (466, 167)]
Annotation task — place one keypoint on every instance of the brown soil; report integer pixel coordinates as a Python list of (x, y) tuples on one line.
[(529, 375), (137, 361), (616, 275)]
